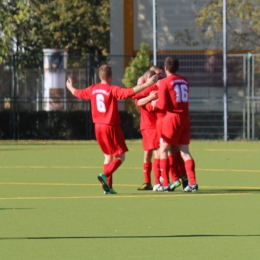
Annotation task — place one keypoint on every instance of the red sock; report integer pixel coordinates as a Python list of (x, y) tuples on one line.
[(110, 180), (112, 167), (180, 164), (147, 168), (173, 169), (190, 169), (156, 170), (109, 177), (164, 165)]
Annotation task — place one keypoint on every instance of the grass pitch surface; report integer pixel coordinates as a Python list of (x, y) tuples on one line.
[(53, 207)]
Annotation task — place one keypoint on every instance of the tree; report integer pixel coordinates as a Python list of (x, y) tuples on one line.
[(243, 23), (28, 26), (138, 65)]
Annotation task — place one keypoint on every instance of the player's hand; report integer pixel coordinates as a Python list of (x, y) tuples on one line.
[(69, 83), (153, 95), (152, 80), (153, 103)]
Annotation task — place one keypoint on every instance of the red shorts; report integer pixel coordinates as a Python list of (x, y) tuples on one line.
[(159, 123), (176, 129), (110, 139), (150, 139)]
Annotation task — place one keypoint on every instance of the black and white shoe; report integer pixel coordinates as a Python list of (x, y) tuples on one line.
[(191, 188)]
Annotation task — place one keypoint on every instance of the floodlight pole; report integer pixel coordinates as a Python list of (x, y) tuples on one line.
[(154, 34), (225, 97)]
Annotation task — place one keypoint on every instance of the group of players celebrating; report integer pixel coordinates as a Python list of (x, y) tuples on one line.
[(164, 125)]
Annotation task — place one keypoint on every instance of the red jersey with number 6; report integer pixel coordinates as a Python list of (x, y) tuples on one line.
[(173, 94), (104, 102)]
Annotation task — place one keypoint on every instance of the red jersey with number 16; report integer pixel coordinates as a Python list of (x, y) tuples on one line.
[(173, 95), (104, 102)]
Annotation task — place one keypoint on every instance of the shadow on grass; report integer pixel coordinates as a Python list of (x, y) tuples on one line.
[(126, 237), (232, 191), (226, 191), (205, 191)]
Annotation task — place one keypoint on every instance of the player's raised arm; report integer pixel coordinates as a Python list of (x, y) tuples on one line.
[(148, 83)]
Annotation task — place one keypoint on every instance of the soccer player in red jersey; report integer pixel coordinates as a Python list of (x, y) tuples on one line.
[(148, 130), (173, 97), (104, 107)]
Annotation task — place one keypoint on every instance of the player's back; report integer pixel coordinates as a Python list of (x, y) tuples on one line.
[(148, 118), (147, 115), (177, 88), (104, 103)]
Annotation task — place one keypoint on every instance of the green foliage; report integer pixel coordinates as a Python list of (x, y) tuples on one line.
[(138, 65), (243, 23), (243, 26), (31, 25)]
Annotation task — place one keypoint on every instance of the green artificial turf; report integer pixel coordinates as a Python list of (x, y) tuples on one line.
[(53, 207)]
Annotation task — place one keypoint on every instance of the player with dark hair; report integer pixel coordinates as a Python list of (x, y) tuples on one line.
[(104, 107), (173, 97), (158, 71)]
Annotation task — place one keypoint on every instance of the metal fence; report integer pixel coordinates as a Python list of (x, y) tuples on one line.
[(23, 90)]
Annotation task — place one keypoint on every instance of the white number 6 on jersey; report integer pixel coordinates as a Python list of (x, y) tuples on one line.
[(100, 103)]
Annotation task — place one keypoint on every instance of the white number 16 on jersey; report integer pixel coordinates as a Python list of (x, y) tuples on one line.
[(181, 93)]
